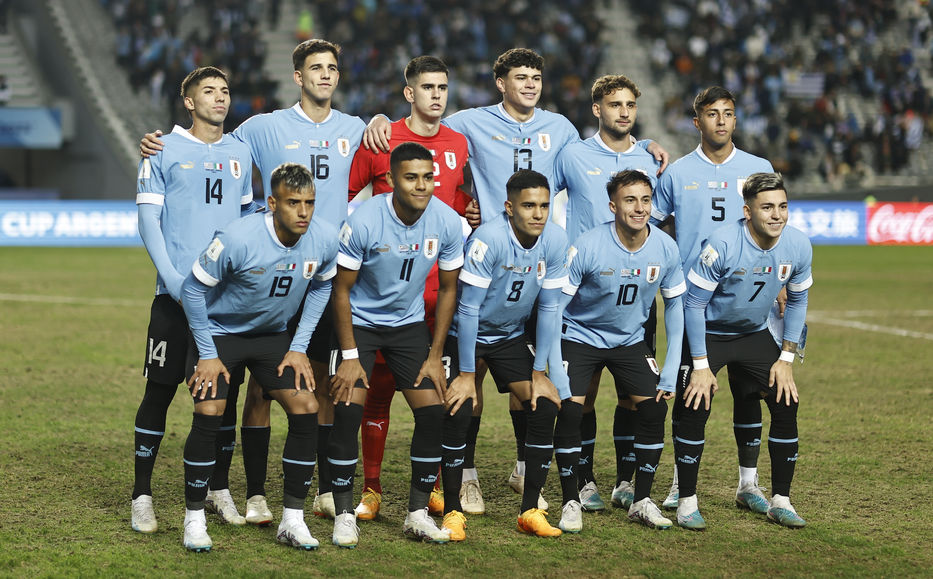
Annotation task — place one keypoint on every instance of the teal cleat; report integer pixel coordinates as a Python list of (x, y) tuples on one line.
[(623, 495), (782, 513), (590, 499)]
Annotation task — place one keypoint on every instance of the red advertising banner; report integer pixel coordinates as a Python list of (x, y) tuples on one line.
[(900, 224)]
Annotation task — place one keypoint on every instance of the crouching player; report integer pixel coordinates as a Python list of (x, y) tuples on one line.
[(239, 296), (732, 285), (511, 261), (615, 272)]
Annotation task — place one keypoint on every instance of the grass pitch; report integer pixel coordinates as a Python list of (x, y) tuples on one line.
[(71, 347)]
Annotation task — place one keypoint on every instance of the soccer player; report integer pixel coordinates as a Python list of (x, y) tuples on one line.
[(733, 283), (615, 273), (388, 246), (325, 140), (182, 200), (584, 168), (512, 263), (239, 296), (426, 89), (703, 191)]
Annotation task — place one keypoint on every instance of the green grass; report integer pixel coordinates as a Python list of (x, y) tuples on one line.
[(70, 382)]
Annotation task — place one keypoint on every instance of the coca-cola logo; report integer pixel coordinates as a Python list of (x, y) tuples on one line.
[(901, 223)]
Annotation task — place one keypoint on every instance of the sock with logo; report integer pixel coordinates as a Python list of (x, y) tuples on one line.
[(199, 458), (298, 459), (148, 432)]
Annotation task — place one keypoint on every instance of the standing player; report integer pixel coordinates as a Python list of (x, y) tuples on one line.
[(239, 296), (426, 90), (615, 273), (583, 168), (732, 285), (182, 201), (513, 263), (387, 249), (703, 191)]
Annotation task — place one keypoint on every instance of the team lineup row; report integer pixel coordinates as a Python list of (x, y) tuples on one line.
[(245, 286)]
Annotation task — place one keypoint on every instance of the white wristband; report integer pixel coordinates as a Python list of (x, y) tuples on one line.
[(350, 354), (786, 357), (702, 364)]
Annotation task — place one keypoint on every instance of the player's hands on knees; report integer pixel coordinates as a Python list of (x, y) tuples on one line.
[(782, 376), (150, 144), (298, 361), (433, 370), (663, 395), (542, 387), (205, 378), (344, 381), (461, 389), (377, 134), (660, 155), (701, 388), (472, 214)]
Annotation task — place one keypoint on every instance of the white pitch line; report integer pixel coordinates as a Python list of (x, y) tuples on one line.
[(868, 313), (71, 300), (821, 319)]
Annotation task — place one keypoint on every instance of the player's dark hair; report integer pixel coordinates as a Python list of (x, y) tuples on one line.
[(516, 58), (709, 96), (197, 75), (626, 178), (610, 83), (525, 179), (422, 64), (758, 182), (313, 46), (291, 177), (408, 152)]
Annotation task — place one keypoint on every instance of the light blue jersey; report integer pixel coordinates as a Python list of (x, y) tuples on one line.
[(256, 283), (394, 259), (511, 275), (703, 196), (584, 168), (326, 149), (184, 194), (500, 146)]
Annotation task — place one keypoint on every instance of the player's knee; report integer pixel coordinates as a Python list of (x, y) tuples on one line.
[(651, 415), (567, 429)]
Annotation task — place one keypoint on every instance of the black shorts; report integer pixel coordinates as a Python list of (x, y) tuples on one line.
[(634, 368), (324, 339), (509, 360), (261, 353), (167, 342), (749, 358), (405, 348)]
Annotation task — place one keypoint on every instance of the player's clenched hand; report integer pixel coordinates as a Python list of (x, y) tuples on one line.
[(702, 386), (782, 376), (150, 144), (542, 387), (298, 361), (377, 134), (348, 374), (461, 389), (472, 214), (433, 370), (205, 377), (660, 155), (663, 395)]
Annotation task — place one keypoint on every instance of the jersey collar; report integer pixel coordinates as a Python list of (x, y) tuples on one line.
[(748, 236), (505, 114), (615, 237), (301, 113), (270, 227), (699, 151), (183, 132), (518, 244), (599, 141), (391, 209)]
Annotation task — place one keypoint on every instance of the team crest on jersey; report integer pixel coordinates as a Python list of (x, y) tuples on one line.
[(430, 247), (450, 158), (541, 270), (478, 250), (309, 269), (653, 272), (214, 249), (343, 147), (235, 169), (784, 271), (345, 232), (709, 256), (653, 364), (544, 141)]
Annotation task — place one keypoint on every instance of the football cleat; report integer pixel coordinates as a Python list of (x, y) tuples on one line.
[(346, 533), (688, 514), (418, 525), (648, 514), (221, 503), (471, 498), (672, 499), (750, 497), (196, 538), (323, 505), (571, 518), (624, 494), (368, 509), (782, 513), (436, 502), (143, 519), (293, 530), (534, 522), (455, 523), (590, 499), (257, 511), (517, 484)]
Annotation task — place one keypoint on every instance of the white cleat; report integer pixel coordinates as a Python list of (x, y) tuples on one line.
[(672, 499), (418, 525), (323, 506), (471, 498), (346, 533), (221, 503), (143, 518), (293, 530), (257, 511), (517, 484), (648, 514), (571, 518), (196, 538), (623, 495)]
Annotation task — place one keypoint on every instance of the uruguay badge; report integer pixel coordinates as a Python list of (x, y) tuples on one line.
[(544, 141), (309, 269), (235, 168), (343, 147), (653, 272), (430, 247), (450, 158)]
